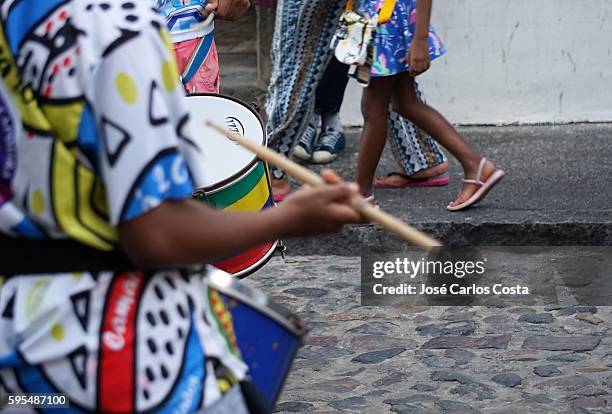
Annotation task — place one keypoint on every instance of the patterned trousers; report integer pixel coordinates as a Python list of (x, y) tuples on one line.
[(300, 53)]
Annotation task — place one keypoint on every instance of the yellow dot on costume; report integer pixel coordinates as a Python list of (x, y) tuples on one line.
[(224, 385), (28, 95), (169, 75), (127, 88), (57, 332), (77, 276), (38, 202)]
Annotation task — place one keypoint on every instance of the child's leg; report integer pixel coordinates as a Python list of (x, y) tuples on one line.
[(432, 122), (374, 108)]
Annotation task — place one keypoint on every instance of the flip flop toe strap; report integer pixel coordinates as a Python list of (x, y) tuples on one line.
[(478, 180), (469, 181)]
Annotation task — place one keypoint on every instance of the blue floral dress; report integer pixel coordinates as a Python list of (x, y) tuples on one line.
[(393, 38)]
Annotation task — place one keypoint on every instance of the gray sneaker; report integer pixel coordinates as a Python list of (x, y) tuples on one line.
[(331, 143), (303, 149)]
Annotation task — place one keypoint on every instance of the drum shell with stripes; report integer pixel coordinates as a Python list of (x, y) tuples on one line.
[(242, 186)]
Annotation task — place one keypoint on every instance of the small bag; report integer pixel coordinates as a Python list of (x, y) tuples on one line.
[(356, 33)]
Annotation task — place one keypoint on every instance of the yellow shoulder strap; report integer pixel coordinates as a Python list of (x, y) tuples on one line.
[(385, 13), (387, 10)]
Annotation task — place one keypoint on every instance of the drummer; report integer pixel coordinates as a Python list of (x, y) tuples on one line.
[(191, 28), (96, 146)]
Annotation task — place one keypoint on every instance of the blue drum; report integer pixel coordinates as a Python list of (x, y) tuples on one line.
[(264, 333)]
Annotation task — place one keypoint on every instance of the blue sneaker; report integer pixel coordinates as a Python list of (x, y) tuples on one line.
[(331, 142), (303, 149)]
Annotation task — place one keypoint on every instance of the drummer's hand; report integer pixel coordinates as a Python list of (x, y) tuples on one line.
[(232, 9), (319, 210), (211, 6)]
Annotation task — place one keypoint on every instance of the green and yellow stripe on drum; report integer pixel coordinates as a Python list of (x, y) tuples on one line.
[(249, 193), (252, 193)]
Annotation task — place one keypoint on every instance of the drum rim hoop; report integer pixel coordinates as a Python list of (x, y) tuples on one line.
[(260, 263), (240, 174)]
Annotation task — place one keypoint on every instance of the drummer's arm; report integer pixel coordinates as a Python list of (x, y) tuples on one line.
[(187, 232)]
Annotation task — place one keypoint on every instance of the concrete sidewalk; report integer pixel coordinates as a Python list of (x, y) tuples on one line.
[(556, 192)]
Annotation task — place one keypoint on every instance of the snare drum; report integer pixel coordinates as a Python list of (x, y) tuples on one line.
[(236, 180), (266, 335)]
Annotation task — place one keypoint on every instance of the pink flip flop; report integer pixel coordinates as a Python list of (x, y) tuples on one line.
[(484, 187), (437, 181)]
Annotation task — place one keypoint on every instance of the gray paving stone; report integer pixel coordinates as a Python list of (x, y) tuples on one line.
[(306, 292), (486, 342), (293, 407), (589, 318), (576, 309), (391, 379), (510, 380), (547, 371), (540, 398), (566, 357), (376, 357), (351, 373), (415, 398), (424, 387), (586, 403), (453, 376), (461, 328), (455, 407), (573, 383), (562, 343), (373, 328), (351, 403), (322, 353), (537, 318), (372, 342), (475, 390), (408, 409)]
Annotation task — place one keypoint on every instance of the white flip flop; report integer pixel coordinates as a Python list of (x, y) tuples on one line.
[(484, 187)]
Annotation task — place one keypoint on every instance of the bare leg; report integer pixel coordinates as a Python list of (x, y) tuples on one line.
[(432, 122), (374, 108)]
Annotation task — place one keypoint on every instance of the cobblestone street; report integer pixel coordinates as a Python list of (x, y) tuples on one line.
[(421, 359)]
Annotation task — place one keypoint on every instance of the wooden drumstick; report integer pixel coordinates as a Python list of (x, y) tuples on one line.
[(372, 213)]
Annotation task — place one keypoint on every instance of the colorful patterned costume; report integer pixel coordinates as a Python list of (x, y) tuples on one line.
[(300, 53), (95, 132), (393, 38)]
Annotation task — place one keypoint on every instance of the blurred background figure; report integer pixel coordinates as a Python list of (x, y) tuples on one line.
[(192, 31), (300, 57)]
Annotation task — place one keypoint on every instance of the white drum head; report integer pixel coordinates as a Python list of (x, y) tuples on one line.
[(224, 160)]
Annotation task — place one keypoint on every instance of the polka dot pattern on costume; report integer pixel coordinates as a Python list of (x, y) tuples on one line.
[(127, 88), (57, 332)]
